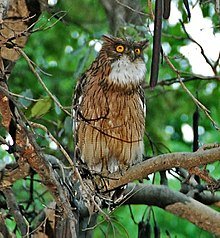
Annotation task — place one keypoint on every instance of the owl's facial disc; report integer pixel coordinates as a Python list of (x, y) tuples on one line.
[(131, 51), (126, 59), (125, 71)]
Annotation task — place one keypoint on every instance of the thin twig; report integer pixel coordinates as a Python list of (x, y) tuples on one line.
[(44, 128), (132, 9), (39, 68), (196, 101), (201, 48), (24, 97), (3, 141), (200, 105), (44, 27), (10, 95), (41, 81), (216, 64), (192, 77)]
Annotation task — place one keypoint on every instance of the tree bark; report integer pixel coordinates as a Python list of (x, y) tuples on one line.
[(176, 203), (16, 19), (162, 162)]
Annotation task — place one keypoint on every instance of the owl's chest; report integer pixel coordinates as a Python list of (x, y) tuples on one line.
[(124, 72), (105, 102), (112, 126)]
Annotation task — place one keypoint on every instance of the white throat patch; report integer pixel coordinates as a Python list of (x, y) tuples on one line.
[(124, 71)]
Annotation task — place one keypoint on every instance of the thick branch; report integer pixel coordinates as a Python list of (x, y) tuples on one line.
[(163, 162), (38, 162), (3, 228), (15, 211), (176, 203), (12, 175), (3, 9)]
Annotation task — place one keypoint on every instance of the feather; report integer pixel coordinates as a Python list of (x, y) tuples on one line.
[(109, 108)]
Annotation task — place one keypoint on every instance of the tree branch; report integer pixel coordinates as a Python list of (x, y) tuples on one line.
[(30, 64), (185, 160), (15, 211), (208, 61), (20, 172), (176, 203), (193, 77), (3, 9), (3, 228), (30, 153)]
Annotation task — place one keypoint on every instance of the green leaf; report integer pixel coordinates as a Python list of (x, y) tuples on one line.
[(68, 123), (41, 107), (27, 93)]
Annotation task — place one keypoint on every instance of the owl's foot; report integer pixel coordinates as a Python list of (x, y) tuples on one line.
[(100, 181), (122, 169)]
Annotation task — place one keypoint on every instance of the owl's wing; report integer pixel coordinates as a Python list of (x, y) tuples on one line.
[(77, 98), (78, 92), (81, 84), (142, 99)]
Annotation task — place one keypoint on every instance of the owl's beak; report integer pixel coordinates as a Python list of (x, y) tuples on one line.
[(132, 55)]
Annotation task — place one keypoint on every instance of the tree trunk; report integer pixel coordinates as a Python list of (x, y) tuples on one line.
[(120, 13)]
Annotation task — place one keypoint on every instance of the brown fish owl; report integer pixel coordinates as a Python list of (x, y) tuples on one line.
[(110, 108)]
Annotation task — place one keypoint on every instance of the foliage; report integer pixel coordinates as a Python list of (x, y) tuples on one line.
[(62, 52)]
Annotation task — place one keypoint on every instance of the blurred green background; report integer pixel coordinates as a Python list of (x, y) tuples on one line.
[(63, 50)]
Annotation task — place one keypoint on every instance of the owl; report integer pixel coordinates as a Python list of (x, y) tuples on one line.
[(109, 107)]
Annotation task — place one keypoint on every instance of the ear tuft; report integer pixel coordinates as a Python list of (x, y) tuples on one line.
[(144, 43), (108, 38), (111, 39)]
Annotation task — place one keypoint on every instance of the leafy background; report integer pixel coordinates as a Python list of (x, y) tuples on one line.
[(62, 50)]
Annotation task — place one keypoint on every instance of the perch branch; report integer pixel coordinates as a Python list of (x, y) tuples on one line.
[(185, 160)]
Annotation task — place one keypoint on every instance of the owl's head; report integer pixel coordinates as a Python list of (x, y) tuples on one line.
[(126, 59)]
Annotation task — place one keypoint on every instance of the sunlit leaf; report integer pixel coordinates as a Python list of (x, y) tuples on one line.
[(41, 107)]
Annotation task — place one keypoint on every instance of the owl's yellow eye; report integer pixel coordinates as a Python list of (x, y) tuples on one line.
[(120, 48), (137, 51)]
